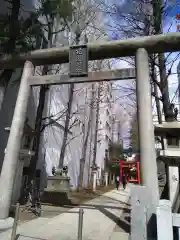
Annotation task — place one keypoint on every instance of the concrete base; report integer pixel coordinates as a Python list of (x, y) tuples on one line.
[(58, 184), (57, 191), (56, 198), (6, 224)]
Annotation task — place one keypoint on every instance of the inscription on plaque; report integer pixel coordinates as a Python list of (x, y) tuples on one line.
[(78, 61)]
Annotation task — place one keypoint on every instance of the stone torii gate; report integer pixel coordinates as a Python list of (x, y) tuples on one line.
[(140, 47)]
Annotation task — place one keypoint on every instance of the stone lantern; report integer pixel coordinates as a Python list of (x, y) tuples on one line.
[(94, 173), (58, 187)]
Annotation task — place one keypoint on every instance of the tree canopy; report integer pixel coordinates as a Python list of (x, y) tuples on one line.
[(116, 151)]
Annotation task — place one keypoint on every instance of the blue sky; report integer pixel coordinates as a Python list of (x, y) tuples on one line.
[(173, 8), (170, 24), (127, 6), (170, 20)]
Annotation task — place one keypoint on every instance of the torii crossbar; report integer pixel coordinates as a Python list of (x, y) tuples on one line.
[(97, 50)]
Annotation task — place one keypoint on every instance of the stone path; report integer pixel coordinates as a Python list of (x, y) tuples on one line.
[(28, 216), (105, 218)]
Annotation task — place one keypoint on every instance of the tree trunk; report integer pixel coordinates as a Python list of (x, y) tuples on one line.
[(157, 12), (68, 115), (97, 125), (89, 160), (65, 136), (119, 131), (10, 47), (38, 122), (84, 150), (164, 84), (37, 137), (158, 107), (14, 26)]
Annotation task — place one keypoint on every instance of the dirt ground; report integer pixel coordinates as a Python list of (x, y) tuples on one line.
[(77, 198), (87, 194)]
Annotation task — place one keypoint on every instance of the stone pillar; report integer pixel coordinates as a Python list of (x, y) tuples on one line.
[(146, 129), (106, 178), (98, 181), (164, 220), (17, 181), (94, 179), (98, 177), (173, 183), (114, 178), (14, 143)]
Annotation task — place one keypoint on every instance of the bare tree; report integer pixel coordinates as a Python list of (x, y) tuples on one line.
[(67, 121), (96, 123), (84, 16), (146, 19), (86, 136), (49, 12)]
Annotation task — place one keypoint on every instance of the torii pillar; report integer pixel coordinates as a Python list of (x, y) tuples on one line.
[(11, 158)]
